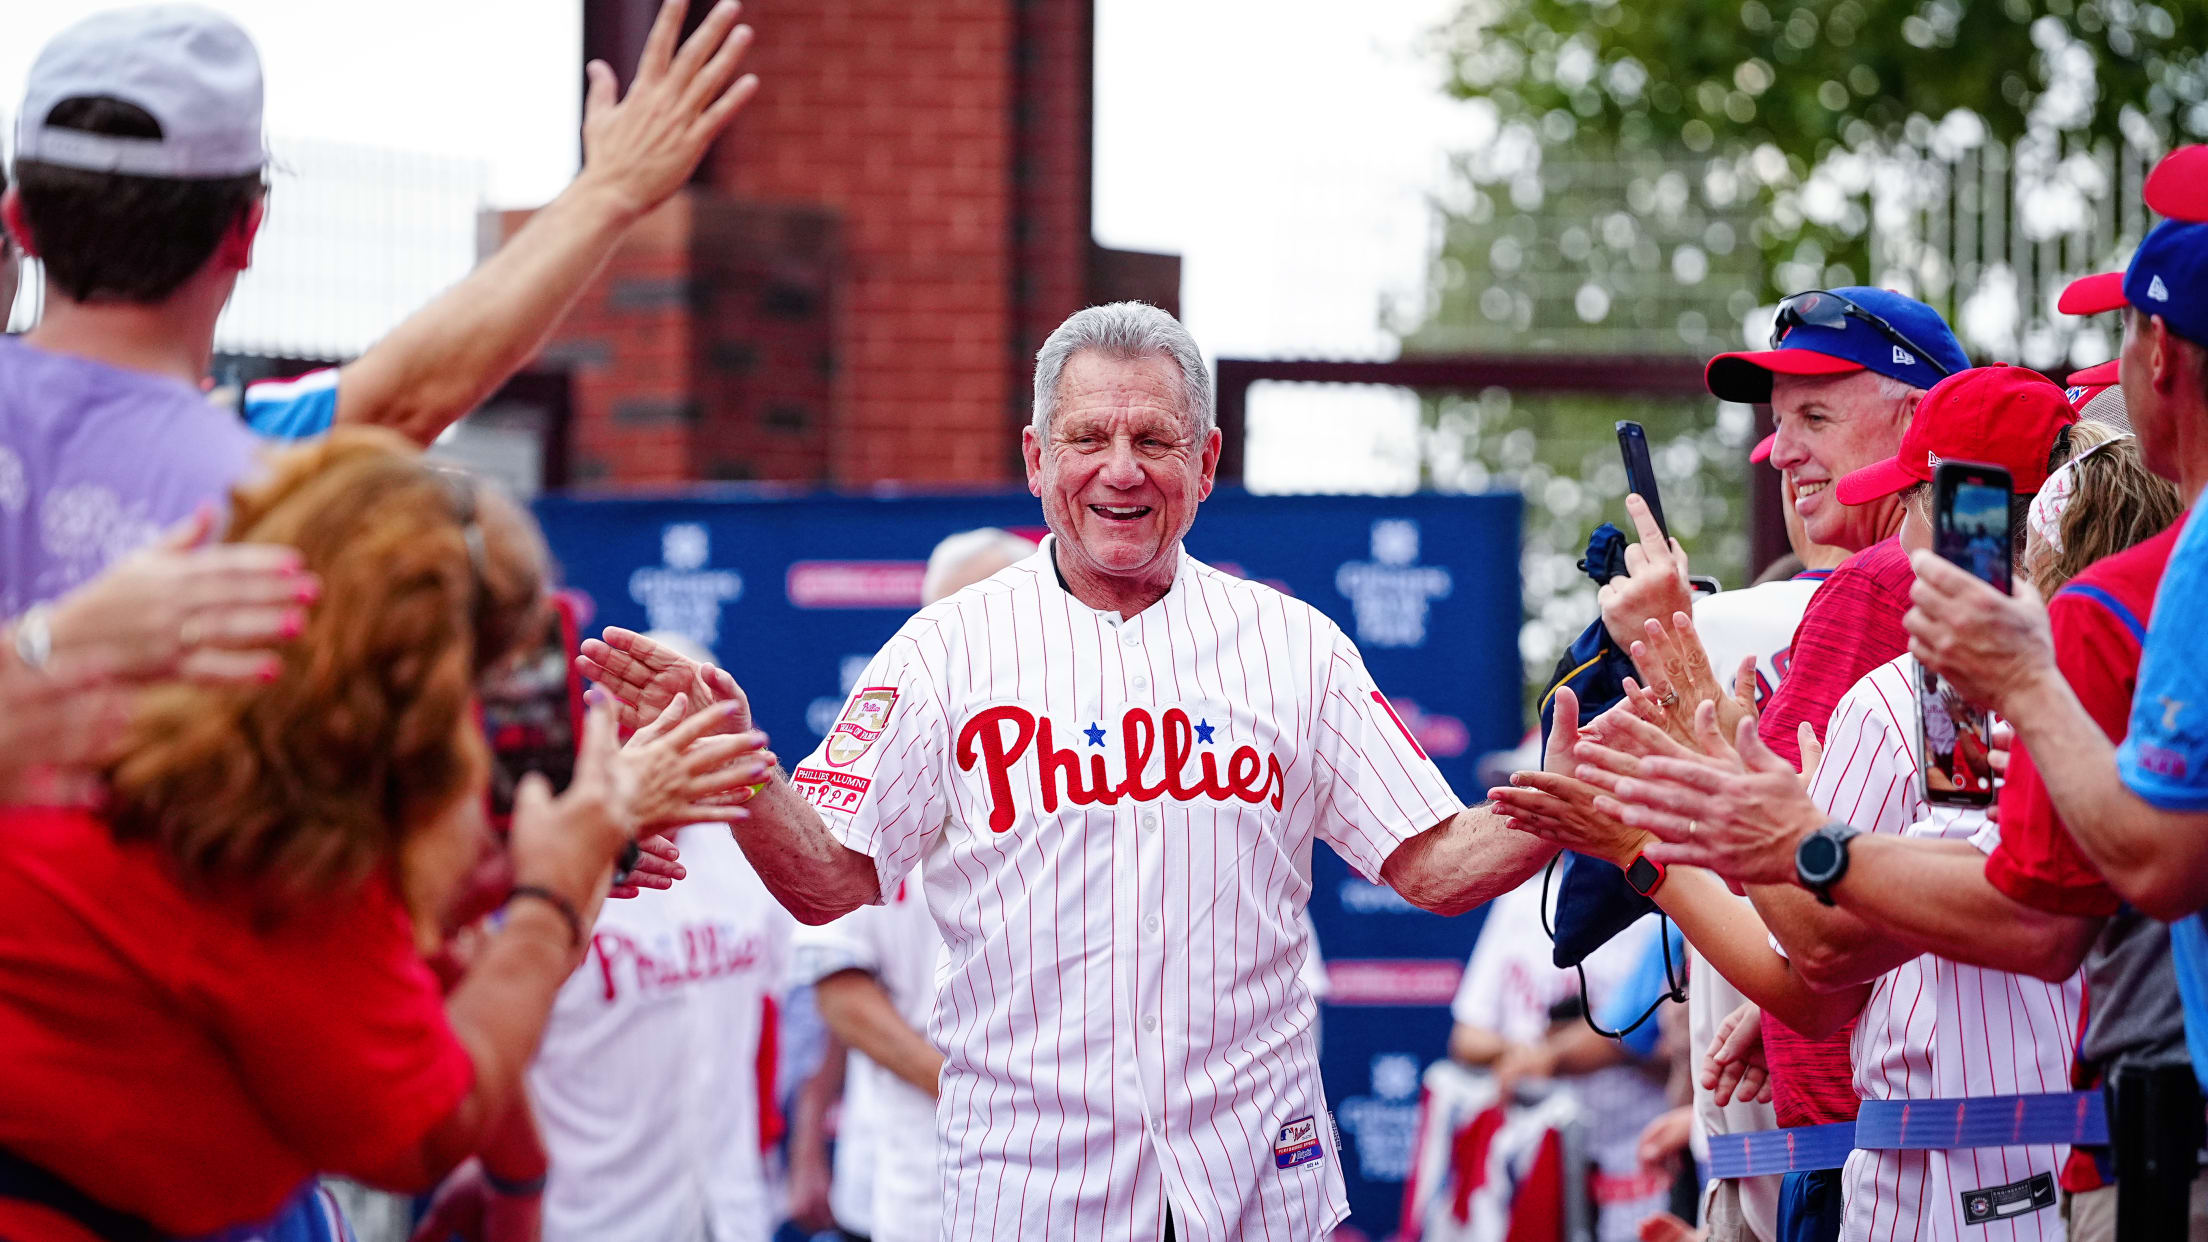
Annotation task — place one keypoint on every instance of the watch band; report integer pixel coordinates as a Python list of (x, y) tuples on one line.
[(1644, 874)]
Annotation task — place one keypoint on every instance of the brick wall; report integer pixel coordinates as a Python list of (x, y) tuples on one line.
[(854, 288)]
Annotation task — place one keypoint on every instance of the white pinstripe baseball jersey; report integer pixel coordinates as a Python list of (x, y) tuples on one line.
[(1934, 1028), (1117, 818)]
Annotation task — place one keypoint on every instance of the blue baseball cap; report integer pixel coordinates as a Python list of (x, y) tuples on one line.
[(1838, 331), (2168, 277)]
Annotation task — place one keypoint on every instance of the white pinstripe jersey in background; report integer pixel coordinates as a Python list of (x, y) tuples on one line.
[(1933, 1028), (1121, 1013)]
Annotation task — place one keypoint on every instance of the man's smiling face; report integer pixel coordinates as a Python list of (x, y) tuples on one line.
[(1830, 427), (1122, 467)]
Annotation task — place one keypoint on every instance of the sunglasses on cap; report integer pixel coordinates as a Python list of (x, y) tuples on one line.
[(1821, 308)]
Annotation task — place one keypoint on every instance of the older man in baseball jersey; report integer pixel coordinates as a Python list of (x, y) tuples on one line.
[(1114, 761)]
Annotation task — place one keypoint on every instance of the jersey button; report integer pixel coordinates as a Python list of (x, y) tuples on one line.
[(1158, 1126), (1142, 683), (1151, 924), (1150, 821), (1132, 641), (1149, 1022)]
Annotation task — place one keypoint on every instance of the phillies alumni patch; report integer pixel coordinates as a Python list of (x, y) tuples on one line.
[(836, 791), (860, 726), (1298, 1143)]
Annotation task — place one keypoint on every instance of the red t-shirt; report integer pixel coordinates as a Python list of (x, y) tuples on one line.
[(174, 1062), (1852, 626), (2099, 621)]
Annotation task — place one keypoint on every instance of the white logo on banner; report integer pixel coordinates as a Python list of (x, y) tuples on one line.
[(1385, 1122), (682, 595), (1391, 593)]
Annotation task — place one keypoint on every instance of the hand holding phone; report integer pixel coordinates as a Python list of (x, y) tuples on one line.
[(1972, 527)]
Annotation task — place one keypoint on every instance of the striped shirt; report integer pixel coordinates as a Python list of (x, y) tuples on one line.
[(1852, 626), (1117, 817), (1934, 1028)]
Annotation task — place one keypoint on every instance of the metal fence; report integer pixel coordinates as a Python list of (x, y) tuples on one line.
[(355, 238), (1990, 234)]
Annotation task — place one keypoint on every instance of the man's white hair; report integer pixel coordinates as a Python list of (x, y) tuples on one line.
[(964, 548), (1124, 330)]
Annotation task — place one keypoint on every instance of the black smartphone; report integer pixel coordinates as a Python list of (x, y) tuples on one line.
[(1971, 528), (533, 710), (1640, 473)]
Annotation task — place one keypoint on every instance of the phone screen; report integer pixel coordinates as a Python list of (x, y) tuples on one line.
[(1970, 527), (532, 711)]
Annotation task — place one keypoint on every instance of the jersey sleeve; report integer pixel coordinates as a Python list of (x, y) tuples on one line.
[(2165, 757), (338, 1029), (2036, 862), (878, 778), (293, 409), (1376, 786)]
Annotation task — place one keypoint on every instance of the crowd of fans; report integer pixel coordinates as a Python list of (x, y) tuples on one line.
[(258, 932)]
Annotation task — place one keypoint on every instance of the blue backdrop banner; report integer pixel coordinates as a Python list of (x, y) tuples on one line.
[(794, 593)]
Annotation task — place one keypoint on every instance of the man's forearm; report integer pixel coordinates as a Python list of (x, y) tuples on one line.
[(856, 1008), (2155, 859), (1933, 896), (816, 877), (445, 358), (1831, 948), (1465, 861)]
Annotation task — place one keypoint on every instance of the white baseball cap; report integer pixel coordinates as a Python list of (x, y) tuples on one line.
[(191, 69)]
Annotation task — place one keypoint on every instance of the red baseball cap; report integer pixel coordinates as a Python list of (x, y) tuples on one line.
[(2178, 186), (2092, 295), (2003, 415)]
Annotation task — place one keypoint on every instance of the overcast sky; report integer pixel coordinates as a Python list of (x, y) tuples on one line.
[(1285, 148)]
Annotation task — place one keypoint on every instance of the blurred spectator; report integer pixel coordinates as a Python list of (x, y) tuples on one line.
[(139, 184), (654, 1083), (214, 989), (1521, 1017)]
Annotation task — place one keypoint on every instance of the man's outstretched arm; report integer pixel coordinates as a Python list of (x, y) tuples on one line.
[(816, 877), (451, 354), (1464, 861)]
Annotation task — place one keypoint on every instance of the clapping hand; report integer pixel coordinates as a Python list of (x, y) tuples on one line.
[(644, 677), (1676, 668), (1738, 814), (1555, 804)]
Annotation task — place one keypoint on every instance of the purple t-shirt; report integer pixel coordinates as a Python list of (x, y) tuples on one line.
[(94, 462)]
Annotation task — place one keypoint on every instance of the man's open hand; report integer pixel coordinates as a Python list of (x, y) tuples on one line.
[(643, 148), (644, 677), (1990, 646)]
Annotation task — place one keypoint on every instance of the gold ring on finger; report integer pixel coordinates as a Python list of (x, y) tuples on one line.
[(1668, 699)]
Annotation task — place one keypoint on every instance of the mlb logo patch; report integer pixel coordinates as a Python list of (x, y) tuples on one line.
[(1298, 1143)]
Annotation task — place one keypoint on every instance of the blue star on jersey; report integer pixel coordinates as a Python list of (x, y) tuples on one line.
[(1096, 734), (1204, 731)]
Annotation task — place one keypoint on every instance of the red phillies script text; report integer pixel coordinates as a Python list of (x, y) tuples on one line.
[(999, 737)]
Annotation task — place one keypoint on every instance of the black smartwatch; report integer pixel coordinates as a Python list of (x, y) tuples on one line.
[(1822, 858)]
